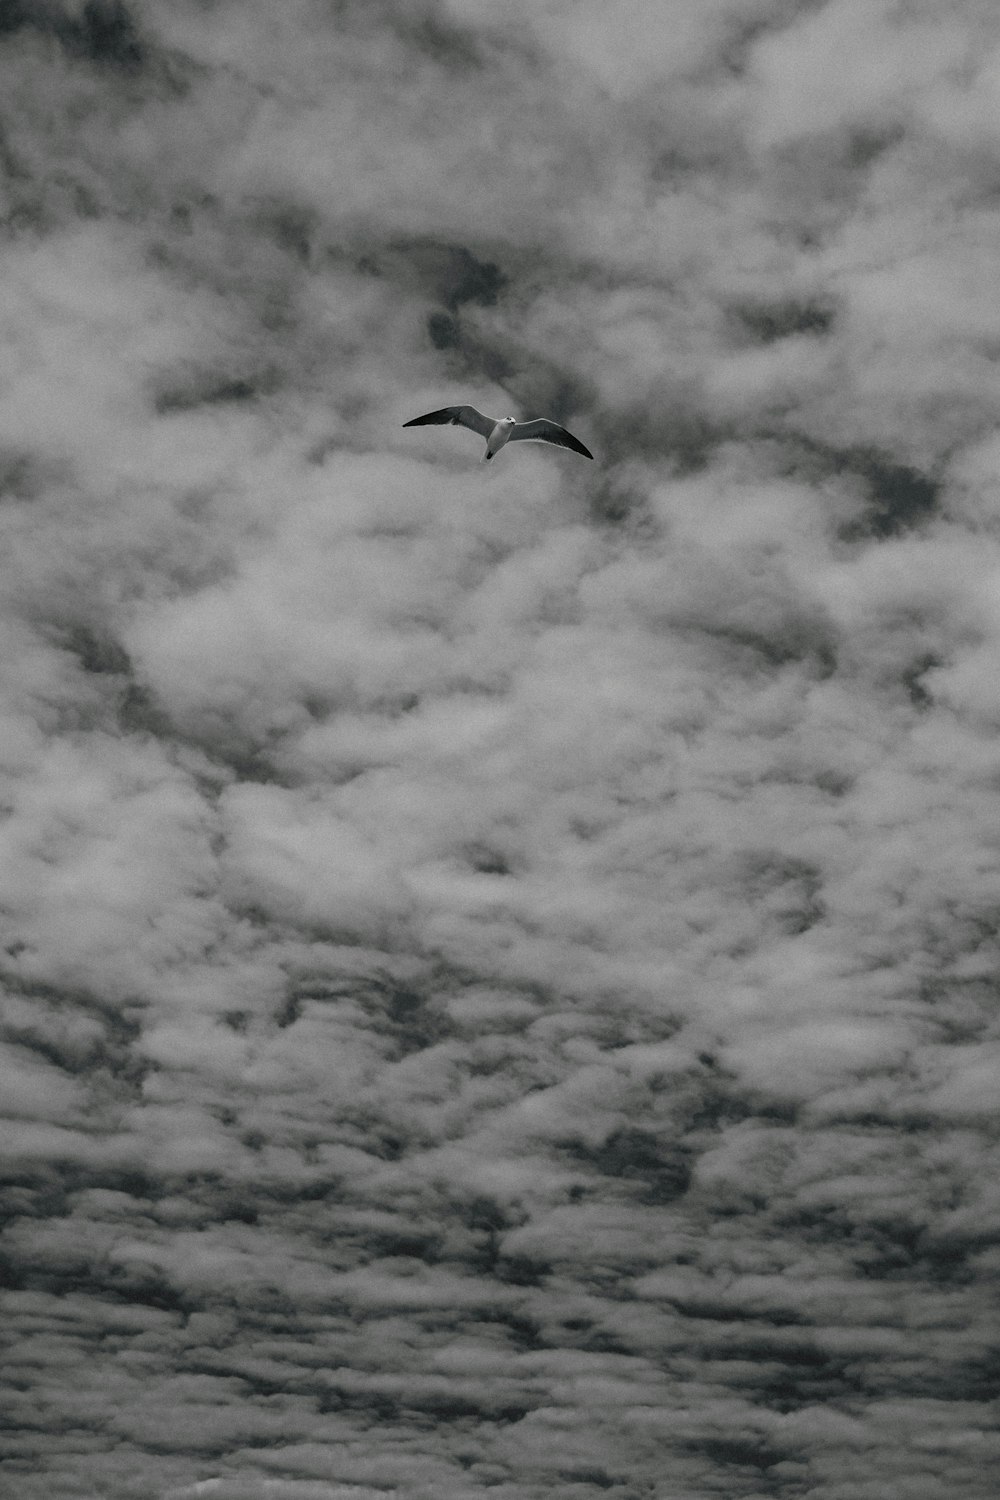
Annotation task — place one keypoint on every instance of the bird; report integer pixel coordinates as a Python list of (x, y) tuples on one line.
[(498, 432)]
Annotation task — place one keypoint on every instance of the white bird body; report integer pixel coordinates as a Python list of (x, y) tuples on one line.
[(498, 433), (501, 434)]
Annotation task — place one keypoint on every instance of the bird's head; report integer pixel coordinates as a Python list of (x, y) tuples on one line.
[(510, 421)]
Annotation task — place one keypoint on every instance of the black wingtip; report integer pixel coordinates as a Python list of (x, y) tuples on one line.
[(433, 418)]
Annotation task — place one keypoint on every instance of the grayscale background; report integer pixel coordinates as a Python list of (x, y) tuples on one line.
[(499, 967)]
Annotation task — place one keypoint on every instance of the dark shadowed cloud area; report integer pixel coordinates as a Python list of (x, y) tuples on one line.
[(499, 967)]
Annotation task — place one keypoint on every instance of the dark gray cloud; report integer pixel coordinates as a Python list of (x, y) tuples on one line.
[(497, 969), (103, 32)]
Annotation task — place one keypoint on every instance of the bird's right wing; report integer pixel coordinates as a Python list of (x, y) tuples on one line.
[(458, 416)]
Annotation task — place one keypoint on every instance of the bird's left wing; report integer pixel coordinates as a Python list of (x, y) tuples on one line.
[(544, 431), (459, 416)]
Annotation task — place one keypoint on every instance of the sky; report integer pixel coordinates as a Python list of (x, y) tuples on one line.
[(499, 966)]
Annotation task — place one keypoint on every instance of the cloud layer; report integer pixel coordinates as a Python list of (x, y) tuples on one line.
[(499, 967)]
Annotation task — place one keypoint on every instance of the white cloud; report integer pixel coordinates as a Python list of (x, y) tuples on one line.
[(498, 964), (851, 62)]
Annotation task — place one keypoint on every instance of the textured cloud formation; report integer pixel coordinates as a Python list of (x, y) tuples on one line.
[(499, 967)]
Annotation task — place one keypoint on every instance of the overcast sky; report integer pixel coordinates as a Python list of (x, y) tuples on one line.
[(500, 965)]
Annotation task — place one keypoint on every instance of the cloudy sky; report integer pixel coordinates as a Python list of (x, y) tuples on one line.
[(500, 966)]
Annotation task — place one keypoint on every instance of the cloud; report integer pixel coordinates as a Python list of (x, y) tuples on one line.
[(498, 967)]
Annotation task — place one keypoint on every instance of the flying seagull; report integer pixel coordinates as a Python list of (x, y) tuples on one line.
[(506, 430)]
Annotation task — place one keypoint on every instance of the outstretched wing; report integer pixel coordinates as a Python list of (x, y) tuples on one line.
[(544, 431), (458, 416)]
